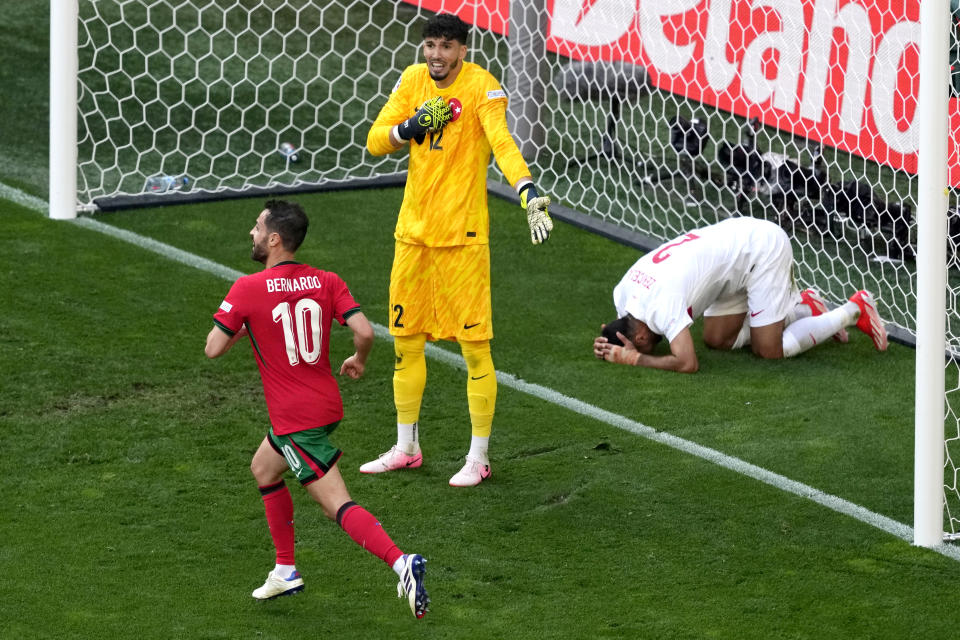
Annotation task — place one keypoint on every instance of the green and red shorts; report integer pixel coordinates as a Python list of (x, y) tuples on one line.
[(309, 453)]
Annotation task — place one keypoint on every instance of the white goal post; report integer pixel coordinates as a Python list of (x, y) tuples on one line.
[(63, 109), (643, 118), (931, 276)]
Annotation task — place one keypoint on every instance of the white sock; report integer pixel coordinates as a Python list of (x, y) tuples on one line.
[(805, 333), (478, 448), (853, 312), (408, 437), (284, 571), (398, 565), (798, 312)]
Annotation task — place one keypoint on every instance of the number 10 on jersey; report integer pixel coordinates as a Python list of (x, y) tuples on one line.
[(302, 334)]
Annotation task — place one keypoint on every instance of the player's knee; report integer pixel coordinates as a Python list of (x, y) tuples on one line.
[(415, 342), (409, 348), (768, 351), (720, 335), (264, 474), (721, 340), (476, 354), (722, 343), (767, 341)]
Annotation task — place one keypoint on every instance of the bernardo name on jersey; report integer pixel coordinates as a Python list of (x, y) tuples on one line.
[(303, 283)]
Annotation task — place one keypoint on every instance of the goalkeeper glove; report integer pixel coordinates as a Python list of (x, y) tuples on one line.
[(431, 116), (537, 217)]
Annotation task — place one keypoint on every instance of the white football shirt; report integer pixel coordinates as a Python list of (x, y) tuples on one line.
[(678, 281)]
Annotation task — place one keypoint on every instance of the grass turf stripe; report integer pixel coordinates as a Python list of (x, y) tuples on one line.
[(845, 507)]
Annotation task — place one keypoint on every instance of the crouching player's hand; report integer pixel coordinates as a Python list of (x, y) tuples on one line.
[(605, 350)]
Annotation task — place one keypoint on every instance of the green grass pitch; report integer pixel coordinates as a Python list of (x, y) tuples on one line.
[(130, 512)]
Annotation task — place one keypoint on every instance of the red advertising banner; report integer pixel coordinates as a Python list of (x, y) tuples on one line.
[(843, 72)]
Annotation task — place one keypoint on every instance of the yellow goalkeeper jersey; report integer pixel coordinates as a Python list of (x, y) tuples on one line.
[(445, 198)]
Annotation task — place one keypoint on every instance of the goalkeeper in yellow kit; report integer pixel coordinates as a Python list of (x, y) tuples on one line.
[(453, 114)]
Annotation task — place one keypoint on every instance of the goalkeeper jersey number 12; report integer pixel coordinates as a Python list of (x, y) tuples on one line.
[(445, 199)]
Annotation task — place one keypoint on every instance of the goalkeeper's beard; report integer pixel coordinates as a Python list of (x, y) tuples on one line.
[(445, 73)]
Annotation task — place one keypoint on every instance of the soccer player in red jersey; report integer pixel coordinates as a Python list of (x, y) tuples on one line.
[(286, 310)]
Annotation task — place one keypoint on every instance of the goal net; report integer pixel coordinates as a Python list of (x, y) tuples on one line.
[(214, 92), (648, 117)]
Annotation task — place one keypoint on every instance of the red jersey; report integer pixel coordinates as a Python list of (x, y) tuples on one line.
[(288, 310)]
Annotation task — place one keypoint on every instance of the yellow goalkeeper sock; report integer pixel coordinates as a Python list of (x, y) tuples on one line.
[(481, 386), (409, 376)]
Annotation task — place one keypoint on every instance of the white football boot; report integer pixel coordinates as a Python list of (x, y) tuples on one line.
[(275, 586), (392, 460), (411, 584), (473, 473)]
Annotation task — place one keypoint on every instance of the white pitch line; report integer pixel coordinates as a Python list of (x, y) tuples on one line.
[(845, 507), (163, 249), (23, 199)]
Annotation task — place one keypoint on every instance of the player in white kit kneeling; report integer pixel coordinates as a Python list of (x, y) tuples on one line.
[(738, 276)]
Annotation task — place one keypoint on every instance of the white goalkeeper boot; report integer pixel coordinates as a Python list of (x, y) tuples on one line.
[(394, 459), (473, 473)]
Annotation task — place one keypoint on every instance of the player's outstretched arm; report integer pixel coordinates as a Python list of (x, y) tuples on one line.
[(355, 365), (537, 217), (493, 119)]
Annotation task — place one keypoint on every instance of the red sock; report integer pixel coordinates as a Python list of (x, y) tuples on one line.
[(279, 507), (364, 529)]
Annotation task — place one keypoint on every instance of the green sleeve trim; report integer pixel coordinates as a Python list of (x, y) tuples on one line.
[(349, 313), (224, 328)]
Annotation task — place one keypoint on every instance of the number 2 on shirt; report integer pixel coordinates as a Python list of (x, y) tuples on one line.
[(435, 138), (663, 254)]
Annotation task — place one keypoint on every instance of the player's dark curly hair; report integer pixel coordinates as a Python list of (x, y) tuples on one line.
[(627, 328), (611, 328), (288, 220), (447, 26)]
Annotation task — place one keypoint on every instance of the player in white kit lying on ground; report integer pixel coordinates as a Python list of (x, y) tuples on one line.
[(738, 275)]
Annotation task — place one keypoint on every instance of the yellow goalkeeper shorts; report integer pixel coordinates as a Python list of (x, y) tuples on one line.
[(443, 292)]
